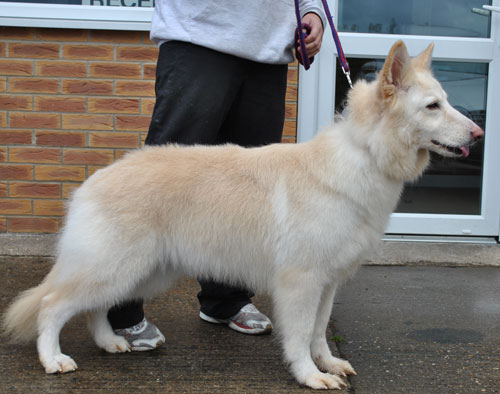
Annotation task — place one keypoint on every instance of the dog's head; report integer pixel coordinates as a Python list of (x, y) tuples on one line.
[(439, 126), (411, 113)]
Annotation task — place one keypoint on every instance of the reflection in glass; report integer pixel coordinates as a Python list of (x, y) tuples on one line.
[(449, 186), (455, 18)]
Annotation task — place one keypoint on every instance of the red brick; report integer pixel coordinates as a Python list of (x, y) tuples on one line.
[(140, 53), (3, 154), (23, 120), (291, 92), (34, 85), (89, 87), (16, 172), (290, 128), (48, 208), (61, 69), (87, 122), (115, 36), (60, 173), (15, 137), (62, 34), (60, 104), (3, 49), (15, 103), (69, 189), (15, 207), (3, 119), (17, 33), (88, 52), (60, 138), (150, 71), (288, 140), (293, 75), (3, 84), (88, 156), (3, 189), (114, 105), (34, 50), (16, 67), (3, 225), (35, 155), (147, 106), (91, 170), (115, 70), (114, 140), (146, 40), (133, 123), (35, 190), (120, 153), (135, 88), (290, 110), (33, 225)]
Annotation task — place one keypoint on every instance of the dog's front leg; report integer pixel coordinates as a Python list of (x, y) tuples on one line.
[(320, 350), (296, 299)]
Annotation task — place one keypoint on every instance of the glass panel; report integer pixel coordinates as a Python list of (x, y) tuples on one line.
[(448, 186), (456, 18)]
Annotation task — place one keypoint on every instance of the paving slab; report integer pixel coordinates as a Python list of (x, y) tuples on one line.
[(421, 330), (198, 357)]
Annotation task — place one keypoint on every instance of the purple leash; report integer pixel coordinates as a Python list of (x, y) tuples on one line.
[(299, 33)]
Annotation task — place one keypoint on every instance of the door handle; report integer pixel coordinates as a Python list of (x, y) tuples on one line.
[(491, 8)]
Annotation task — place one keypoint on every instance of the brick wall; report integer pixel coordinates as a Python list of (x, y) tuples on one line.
[(71, 102)]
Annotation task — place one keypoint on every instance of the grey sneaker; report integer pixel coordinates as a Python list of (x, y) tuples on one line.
[(249, 320), (143, 336)]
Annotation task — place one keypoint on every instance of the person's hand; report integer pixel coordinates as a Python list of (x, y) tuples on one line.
[(315, 38)]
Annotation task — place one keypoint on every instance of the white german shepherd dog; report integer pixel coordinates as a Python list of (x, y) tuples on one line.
[(293, 220)]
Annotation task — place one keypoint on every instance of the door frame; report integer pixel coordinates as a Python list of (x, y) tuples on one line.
[(316, 110)]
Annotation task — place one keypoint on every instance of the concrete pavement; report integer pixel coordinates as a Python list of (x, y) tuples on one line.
[(404, 329), (422, 330)]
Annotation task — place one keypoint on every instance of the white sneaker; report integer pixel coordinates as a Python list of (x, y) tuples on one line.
[(249, 320), (143, 336)]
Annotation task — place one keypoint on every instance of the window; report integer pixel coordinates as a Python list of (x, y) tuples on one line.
[(78, 14)]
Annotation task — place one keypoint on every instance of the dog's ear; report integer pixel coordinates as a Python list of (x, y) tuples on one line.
[(396, 68), (423, 61)]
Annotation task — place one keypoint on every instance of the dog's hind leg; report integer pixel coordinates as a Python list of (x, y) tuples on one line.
[(320, 350), (54, 313), (296, 297), (103, 333)]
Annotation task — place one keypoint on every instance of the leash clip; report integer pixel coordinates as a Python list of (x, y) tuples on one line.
[(348, 76)]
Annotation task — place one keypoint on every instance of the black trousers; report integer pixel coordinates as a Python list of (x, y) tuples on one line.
[(208, 97)]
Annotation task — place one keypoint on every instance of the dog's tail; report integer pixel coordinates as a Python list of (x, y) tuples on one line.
[(20, 319)]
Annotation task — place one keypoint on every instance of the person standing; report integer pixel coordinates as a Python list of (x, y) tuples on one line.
[(220, 78)]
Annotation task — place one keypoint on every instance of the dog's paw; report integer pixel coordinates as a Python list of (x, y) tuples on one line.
[(324, 381), (116, 344), (60, 363), (335, 366)]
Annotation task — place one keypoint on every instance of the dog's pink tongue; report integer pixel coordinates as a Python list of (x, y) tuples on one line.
[(465, 151)]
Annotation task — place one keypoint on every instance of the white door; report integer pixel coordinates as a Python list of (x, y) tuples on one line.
[(455, 197)]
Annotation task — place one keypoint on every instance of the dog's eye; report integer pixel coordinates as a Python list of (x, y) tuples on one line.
[(433, 106)]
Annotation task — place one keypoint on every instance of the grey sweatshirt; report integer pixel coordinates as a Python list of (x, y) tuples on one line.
[(259, 30)]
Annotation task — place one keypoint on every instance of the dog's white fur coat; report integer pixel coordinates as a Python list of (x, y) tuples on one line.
[(293, 220)]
